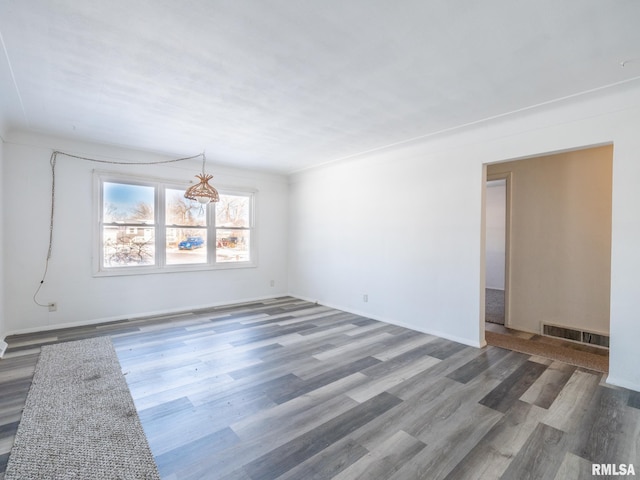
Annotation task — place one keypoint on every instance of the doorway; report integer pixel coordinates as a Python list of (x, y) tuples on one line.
[(557, 247), (496, 247)]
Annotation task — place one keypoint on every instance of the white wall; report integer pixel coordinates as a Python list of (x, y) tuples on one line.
[(3, 328), (404, 224), (81, 297), (496, 217)]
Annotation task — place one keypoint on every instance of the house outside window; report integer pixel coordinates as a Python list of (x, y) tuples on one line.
[(148, 226)]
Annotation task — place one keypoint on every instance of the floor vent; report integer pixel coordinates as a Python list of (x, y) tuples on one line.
[(574, 335)]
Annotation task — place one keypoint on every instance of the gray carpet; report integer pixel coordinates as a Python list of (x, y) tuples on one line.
[(494, 306), (79, 420)]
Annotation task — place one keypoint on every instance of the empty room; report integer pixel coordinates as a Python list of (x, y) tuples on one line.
[(319, 240)]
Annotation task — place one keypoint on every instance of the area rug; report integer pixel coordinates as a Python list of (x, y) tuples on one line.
[(591, 361), (79, 421)]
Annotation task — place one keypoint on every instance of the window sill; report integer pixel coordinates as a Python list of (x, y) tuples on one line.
[(154, 270)]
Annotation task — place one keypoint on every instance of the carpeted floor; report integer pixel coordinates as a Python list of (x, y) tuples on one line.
[(591, 358), (494, 306), (79, 420)]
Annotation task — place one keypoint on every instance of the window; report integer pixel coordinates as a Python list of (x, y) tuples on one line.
[(150, 227), (186, 229), (128, 226), (233, 232)]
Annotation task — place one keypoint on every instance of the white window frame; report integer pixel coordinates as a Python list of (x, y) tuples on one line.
[(160, 185)]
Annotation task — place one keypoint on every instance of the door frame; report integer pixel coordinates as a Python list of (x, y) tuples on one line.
[(507, 176)]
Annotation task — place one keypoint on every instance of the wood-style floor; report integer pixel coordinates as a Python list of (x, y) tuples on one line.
[(291, 390)]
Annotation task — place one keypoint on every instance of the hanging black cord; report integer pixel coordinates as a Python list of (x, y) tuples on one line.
[(52, 162)]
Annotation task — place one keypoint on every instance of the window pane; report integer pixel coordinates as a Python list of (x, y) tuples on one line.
[(232, 211), (232, 245), (127, 203), (182, 211), (186, 245), (127, 246)]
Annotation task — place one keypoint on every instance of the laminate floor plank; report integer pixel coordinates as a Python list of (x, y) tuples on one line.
[(568, 410), (510, 390), (171, 430), (287, 456), (276, 364), (327, 378), (482, 362), (299, 425), (330, 322), (382, 369), (493, 453), (449, 416), (442, 348), (446, 450), (368, 349), (295, 418), (391, 378), (548, 386), (303, 420), (627, 449), (347, 348), (385, 460), (193, 453), (288, 389), (329, 463), (634, 400), (282, 320), (425, 379), (403, 343), (574, 468), (435, 417), (540, 457), (597, 438)]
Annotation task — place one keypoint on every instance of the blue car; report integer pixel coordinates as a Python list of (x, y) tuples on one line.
[(191, 243)]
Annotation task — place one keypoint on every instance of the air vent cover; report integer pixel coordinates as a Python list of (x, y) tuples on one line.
[(575, 335)]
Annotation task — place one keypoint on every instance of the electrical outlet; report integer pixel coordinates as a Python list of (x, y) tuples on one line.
[(365, 298), (272, 283), (53, 306)]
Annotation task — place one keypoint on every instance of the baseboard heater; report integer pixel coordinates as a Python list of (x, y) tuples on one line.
[(576, 335)]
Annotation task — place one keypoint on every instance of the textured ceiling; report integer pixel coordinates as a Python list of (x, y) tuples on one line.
[(283, 85)]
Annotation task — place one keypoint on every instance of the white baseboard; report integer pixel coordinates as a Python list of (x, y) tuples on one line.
[(3, 348), (155, 313), (446, 336), (618, 382)]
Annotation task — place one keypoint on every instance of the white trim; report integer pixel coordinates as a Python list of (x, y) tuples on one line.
[(155, 313), (622, 383), (508, 178), (446, 336)]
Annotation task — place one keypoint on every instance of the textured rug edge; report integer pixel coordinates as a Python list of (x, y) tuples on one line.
[(79, 419)]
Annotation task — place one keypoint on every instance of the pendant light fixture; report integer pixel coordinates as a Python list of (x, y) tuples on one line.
[(202, 192)]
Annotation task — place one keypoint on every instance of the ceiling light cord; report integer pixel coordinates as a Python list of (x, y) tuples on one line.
[(52, 161)]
